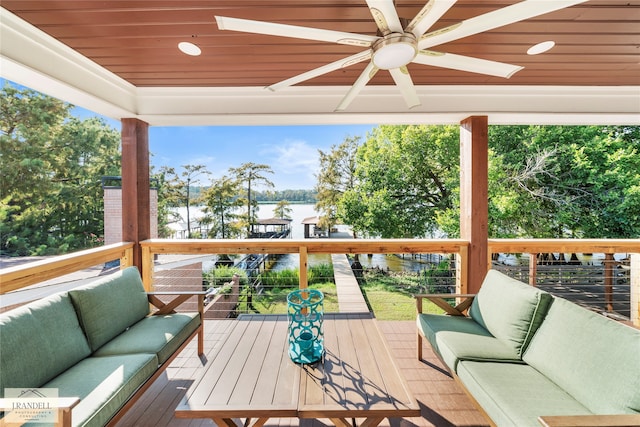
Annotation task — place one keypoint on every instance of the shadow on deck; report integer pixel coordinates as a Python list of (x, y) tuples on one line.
[(442, 401)]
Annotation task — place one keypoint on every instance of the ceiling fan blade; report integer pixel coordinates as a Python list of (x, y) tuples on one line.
[(429, 15), (403, 81), (368, 73), (342, 63), (385, 15), (283, 30), (498, 18), (466, 63)]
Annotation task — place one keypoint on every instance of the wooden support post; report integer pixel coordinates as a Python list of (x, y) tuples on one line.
[(147, 269), (533, 269), (474, 211), (635, 289), (304, 260), (136, 203), (462, 273), (609, 268)]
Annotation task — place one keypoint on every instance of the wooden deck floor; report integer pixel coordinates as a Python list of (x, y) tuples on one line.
[(442, 402)]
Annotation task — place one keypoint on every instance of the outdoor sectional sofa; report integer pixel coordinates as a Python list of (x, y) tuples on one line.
[(98, 345), (529, 358)]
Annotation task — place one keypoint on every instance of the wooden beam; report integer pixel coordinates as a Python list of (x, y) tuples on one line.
[(474, 146), (136, 204)]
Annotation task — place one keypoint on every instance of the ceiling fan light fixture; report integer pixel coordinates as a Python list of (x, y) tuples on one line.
[(189, 48), (541, 48), (394, 51)]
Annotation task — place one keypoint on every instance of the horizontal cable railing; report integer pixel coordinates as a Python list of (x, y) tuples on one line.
[(599, 274), (383, 283), (354, 275)]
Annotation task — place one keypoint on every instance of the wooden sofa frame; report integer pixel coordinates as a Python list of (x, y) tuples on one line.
[(464, 302), (66, 405)]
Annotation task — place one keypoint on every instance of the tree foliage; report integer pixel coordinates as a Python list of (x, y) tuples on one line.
[(252, 174), (336, 176), (404, 176), (282, 210), (221, 204), (565, 181), (544, 181), (51, 199)]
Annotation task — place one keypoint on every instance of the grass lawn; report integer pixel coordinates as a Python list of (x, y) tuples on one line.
[(398, 304), (388, 302), (274, 301)]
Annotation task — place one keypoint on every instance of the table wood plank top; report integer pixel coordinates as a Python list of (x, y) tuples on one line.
[(252, 376)]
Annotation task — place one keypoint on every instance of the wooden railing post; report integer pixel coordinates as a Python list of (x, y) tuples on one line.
[(147, 268), (127, 259), (304, 261), (462, 270), (635, 289), (609, 266), (533, 268)]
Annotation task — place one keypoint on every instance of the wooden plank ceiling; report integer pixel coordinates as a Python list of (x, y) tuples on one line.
[(597, 42)]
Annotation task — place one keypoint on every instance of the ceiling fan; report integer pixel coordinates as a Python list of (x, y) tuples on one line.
[(396, 46)]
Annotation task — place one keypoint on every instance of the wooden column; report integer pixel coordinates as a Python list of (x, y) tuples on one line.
[(136, 204), (474, 146)]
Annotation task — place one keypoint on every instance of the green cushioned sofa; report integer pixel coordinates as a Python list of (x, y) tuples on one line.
[(528, 358), (99, 345)]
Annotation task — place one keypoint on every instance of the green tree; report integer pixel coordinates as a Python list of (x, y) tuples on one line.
[(168, 197), (336, 177), (221, 202), (282, 210), (564, 181), (252, 174), (178, 187), (51, 166), (405, 175)]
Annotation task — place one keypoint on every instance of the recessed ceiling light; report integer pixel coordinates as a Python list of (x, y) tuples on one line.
[(189, 48), (541, 47)]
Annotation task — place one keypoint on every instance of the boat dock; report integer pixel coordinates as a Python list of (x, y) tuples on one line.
[(350, 298)]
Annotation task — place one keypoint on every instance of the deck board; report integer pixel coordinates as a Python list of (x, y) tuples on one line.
[(442, 401)]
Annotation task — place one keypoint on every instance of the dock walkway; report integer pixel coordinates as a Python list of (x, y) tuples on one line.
[(350, 298)]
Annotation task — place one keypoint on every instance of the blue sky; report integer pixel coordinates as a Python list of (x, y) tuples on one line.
[(291, 151)]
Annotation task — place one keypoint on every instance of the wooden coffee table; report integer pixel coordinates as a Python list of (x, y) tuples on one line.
[(252, 377)]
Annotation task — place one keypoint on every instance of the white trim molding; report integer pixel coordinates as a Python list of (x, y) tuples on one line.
[(34, 59)]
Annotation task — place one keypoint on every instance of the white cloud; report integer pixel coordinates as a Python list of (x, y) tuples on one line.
[(295, 163)]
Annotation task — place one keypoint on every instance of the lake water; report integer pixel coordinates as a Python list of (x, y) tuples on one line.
[(301, 211), (393, 262), (298, 213)]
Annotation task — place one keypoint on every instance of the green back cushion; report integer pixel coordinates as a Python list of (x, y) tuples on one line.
[(509, 309), (595, 359), (107, 307), (38, 341)]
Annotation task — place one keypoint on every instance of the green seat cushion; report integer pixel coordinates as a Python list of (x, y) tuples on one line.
[(104, 384), (511, 310), (596, 359), (110, 305), (160, 335), (39, 341), (458, 338), (515, 394)]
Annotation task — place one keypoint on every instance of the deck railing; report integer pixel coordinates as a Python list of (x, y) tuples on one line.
[(304, 248), (609, 283), (21, 276)]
